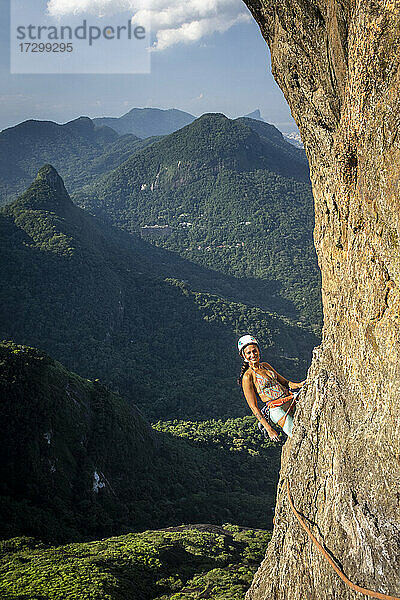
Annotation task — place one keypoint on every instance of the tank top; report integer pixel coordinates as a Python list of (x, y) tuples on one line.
[(269, 389)]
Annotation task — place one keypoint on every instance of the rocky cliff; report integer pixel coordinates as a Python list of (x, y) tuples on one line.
[(337, 63)]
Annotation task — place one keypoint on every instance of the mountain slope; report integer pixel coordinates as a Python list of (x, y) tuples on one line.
[(79, 150), (227, 198), (293, 138), (273, 137), (79, 461), (104, 303), (64, 438), (147, 122)]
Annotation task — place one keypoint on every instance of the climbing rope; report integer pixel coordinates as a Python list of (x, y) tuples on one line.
[(342, 576)]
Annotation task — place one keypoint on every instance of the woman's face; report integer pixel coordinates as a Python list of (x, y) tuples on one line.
[(251, 353)]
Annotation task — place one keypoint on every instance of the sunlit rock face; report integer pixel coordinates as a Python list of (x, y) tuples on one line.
[(337, 63)]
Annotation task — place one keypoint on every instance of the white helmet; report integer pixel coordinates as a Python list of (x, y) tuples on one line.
[(244, 341)]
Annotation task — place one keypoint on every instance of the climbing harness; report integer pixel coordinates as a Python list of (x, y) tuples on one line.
[(282, 420), (281, 423), (339, 572)]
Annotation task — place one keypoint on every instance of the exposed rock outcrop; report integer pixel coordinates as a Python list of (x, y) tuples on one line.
[(337, 63)]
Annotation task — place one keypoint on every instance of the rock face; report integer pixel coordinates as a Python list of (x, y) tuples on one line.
[(337, 63)]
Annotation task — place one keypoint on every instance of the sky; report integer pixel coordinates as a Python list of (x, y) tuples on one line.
[(205, 56)]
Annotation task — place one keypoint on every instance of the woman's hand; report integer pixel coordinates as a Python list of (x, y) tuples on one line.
[(296, 386), (273, 435)]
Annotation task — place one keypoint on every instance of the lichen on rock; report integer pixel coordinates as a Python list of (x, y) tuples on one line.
[(337, 63)]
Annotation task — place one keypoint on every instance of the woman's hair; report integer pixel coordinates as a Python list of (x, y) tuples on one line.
[(245, 366)]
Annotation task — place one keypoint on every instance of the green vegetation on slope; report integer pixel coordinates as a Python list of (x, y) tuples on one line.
[(83, 462), (227, 196), (235, 206), (200, 561), (232, 435)]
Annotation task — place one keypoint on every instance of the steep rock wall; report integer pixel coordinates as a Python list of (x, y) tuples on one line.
[(337, 63)]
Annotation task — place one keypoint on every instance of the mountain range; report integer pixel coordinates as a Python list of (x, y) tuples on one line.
[(112, 306), (79, 149)]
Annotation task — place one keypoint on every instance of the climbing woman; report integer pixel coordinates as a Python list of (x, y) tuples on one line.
[(260, 380)]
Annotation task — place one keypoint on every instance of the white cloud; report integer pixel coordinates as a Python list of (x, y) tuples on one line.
[(172, 21)]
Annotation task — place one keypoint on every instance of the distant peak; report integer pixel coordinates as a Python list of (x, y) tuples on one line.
[(49, 177), (49, 174), (46, 192), (81, 119), (82, 125), (212, 117), (255, 115)]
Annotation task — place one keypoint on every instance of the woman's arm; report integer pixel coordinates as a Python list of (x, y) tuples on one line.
[(251, 398)]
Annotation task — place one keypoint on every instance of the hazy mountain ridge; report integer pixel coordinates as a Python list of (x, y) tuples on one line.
[(293, 137), (271, 135), (147, 122)]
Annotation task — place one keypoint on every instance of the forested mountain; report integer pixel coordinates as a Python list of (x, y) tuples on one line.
[(293, 138), (79, 461), (232, 196), (79, 149), (111, 306), (146, 122), (280, 148)]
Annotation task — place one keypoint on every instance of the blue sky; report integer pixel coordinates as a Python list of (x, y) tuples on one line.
[(226, 72)]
